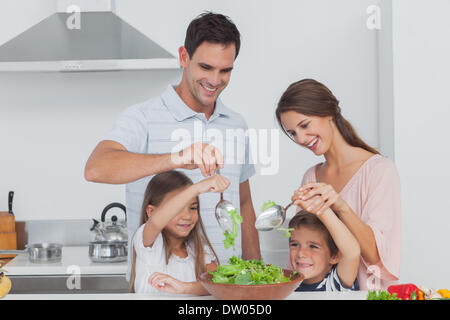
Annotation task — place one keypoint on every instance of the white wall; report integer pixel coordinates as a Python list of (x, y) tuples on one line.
[(421, 51), (282, 42), (49, 123)]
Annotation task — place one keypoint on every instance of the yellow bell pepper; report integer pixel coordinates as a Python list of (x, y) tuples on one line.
[(420, 295), (445, 293), (5, 285)]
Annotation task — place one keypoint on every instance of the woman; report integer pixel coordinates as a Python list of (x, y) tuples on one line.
[(355, 181)]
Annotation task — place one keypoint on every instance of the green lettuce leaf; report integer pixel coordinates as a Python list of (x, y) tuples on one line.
[(267, 205)]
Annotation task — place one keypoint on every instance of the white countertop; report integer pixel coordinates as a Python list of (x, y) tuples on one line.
[(71, 256), (353, 295)]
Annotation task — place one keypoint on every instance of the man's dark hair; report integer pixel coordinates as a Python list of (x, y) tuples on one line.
[(214, 28)]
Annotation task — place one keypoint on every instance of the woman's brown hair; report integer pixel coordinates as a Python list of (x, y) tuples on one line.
[(309, 220), (158, 187), (312, 98)]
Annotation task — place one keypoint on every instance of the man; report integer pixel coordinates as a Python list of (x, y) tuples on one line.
[(143, 141)]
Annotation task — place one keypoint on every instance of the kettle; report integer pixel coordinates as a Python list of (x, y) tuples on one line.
[(113, 230)]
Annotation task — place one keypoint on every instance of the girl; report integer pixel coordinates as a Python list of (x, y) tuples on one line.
[(358, 184), (170, 248), (323, 249)]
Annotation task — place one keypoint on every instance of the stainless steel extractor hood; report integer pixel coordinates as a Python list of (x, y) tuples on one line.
[(103, 42)]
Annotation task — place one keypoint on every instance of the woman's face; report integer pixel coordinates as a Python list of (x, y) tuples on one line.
[(309, 254), (311, 132)]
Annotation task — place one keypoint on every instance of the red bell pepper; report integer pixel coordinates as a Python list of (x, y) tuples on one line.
[(405, 291)]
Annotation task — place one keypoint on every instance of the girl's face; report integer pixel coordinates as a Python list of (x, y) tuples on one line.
[(182, 224), (309, 254), (311, 132)]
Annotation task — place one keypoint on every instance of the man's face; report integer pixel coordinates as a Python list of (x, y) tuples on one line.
[(207, 72)]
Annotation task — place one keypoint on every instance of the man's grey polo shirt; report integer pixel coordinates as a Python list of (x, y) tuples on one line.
[(167, 125)]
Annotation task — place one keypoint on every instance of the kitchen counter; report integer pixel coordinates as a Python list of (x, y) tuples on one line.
[(354, 295), (72, 257)]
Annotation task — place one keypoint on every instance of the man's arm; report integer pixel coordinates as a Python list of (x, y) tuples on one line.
[(250, 239), (111, 163)]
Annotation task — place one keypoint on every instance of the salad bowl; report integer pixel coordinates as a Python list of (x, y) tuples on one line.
[(274, 291)]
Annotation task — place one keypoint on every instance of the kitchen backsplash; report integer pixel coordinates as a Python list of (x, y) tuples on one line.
[(66, 232)]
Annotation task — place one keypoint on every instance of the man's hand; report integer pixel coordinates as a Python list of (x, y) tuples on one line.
[(199, 155)]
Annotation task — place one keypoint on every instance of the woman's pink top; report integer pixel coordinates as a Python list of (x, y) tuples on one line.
[(374, 195)]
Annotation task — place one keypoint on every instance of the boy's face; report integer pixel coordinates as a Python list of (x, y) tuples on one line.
[(309, 254), (207, 73)]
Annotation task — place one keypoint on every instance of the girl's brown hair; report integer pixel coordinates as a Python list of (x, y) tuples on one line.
[(158, 187), (312, 98), (309, 220)]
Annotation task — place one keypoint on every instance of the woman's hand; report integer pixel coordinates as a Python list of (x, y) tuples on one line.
[(216, 183), (165, 283), (317, 197)]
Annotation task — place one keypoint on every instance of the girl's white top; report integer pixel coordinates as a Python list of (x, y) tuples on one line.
[(153, 259)]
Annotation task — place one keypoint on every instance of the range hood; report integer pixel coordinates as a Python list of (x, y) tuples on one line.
[(103, 42)]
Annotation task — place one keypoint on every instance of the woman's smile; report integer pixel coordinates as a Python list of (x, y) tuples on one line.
[(312, 145)]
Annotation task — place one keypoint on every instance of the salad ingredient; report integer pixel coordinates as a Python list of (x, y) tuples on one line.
[(230, 236), (445, 293), (381, 295), (5, 285), (404, 291), (248, 272), (287, 231), (267, 205), (430, 294), (420, 295)]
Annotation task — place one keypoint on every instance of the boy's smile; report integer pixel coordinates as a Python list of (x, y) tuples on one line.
[(309, 254)]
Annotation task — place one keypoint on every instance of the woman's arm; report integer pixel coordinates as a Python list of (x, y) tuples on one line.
[(363, 233), (347, 244), (323, 197)]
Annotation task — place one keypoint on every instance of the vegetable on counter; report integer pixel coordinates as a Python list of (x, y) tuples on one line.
[(445, 293), (432, 294), (409, 291), (5, 283), (248, 272), (420, 295), (404, 291), (381, 295)]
